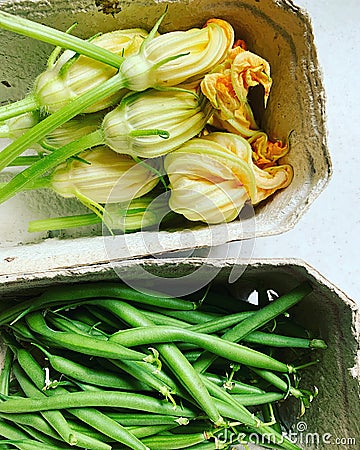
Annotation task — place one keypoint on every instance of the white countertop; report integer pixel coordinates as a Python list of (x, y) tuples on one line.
[(328, 235)]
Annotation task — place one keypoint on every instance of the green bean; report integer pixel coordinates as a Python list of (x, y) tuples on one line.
[(218, 324), (91, 416), (111, 322), (209, 446), (174, 359), (232, 351), (106, 425), (114, 399), (258, 399), (21, 439), (54, 418), (146, 376), (276, 340), (191, 317), (22, 331), (79, 343), (278, 382), (64, 324), (87, 375), (149, 430), (6, 371), (75, 293), (241, 414), (128, 419), (175, 441), (41, 437), (233, 386), (257, 320), (33, 420)]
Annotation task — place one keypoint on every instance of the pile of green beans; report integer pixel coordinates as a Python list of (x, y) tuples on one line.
[(100, 366)]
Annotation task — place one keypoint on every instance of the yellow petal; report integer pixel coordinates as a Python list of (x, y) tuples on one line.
[(271, 179)]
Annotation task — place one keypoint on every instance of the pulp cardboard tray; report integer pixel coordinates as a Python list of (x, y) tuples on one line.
[(327, 312), (275, 29)]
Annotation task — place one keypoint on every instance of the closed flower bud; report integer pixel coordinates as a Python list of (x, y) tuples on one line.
[(68, 132), (16, 126), (227, 89), (211, 178), (153, 123), (73, 75), (72, 130), (108, 176), (178, 56)]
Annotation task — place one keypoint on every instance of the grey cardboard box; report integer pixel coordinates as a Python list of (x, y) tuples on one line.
[(333, 418), (275, 29)]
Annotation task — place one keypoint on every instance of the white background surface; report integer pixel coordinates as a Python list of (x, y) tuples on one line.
[(328, 235)]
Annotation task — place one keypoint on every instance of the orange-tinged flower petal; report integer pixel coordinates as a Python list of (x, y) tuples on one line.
[(265, 152), (271, 179), (227, 88)]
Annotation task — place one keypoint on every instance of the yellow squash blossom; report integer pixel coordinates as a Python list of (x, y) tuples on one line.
[(152, 123), (178, 56), (107, 177), (227, 89), (73, 75), (266, 153), (211, 178)]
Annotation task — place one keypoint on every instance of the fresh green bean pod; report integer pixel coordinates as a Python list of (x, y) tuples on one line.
[(55, 418), (257, 320), (138, 419), (276, 340), (278, 382), (232, 351), (77, 293), (114, 399), (258, 399), (75, 326), (89, 375), (22, 440), (90, 416), (80, 343), (33, 420), (175, 441), (174, 359), (233, 386)]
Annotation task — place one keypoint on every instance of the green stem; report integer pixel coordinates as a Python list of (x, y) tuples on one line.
[(25, 160), (60, 223), (14, 109), (43, 33), (27, 177), (75, 107)]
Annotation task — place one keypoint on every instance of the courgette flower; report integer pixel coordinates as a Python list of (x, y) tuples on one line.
[(69, 131), (177, 56), (266, 153), (152, 123), (98, 180), (211, 178), (73, 75), (227, 88)]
